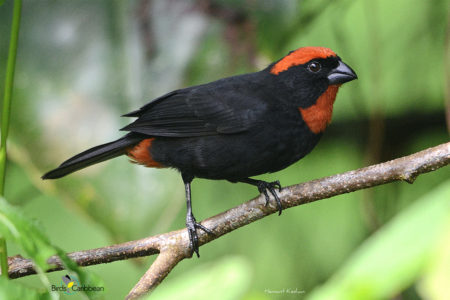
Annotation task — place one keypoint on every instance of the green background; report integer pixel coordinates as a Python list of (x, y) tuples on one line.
[(81, 64)]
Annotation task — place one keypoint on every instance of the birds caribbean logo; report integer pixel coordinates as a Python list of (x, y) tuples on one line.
[(70, 283)]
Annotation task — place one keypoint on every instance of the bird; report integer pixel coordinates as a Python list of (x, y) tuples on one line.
[(233, 128)]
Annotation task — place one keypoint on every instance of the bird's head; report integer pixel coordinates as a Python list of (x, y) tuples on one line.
[(311, 70), (311, 76)]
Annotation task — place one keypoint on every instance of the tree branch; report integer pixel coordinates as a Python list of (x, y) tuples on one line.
[(173, 246)]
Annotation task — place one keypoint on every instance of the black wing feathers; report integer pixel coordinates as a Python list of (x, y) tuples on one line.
[(226, 106), (197, 111), (138, 112)]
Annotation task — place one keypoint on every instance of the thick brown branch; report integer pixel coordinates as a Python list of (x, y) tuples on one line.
[(173, 246)]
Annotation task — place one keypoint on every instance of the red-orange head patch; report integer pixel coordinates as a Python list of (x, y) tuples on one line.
[(301, 56)]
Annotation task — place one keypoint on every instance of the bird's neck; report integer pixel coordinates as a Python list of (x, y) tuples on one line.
[(318, 115)]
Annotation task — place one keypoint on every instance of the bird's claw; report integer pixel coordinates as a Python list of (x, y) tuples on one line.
[(192, 226), (264, 186)]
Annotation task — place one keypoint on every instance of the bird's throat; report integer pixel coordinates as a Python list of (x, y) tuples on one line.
[(318, 115)]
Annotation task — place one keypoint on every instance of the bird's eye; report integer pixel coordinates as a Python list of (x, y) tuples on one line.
[(314, 66)]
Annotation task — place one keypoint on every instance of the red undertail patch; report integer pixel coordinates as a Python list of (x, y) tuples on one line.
[(140, 154)]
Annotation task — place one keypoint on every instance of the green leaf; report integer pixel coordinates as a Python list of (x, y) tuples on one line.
[(29, 236), (12, 290), (396, 256), (2, 2), (14, 226), (434, 284)]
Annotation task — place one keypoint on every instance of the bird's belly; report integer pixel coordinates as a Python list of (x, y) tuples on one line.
[(236, 156)]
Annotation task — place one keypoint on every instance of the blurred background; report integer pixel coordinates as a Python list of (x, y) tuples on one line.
[(81, 64)]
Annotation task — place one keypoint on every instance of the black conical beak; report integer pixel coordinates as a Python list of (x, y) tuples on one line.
[(341, 74)]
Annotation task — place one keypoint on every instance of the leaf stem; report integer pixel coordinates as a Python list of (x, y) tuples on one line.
[(3, 257), (6, 112), (9, 82)]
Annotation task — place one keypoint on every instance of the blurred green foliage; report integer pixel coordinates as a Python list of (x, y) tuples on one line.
[(15, 227), (229, 277), (83, 63), (367, 275)]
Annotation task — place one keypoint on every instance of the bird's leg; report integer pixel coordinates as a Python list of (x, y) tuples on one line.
[(191, 223), (263, 187)]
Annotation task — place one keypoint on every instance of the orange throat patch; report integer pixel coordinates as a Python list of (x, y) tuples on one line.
[(318, 116), (140, 154)]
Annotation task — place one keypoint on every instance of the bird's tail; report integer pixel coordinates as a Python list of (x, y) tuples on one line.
[(93, 156)]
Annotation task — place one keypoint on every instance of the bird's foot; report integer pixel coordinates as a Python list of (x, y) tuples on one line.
[(264, 186), (192, 226)]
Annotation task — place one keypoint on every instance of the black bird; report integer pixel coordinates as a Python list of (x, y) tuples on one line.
[(233, 128)]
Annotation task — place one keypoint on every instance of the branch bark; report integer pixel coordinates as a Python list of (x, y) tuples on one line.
[(173, 246)]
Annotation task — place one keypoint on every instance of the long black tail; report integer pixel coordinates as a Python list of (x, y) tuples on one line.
[(93, 156)]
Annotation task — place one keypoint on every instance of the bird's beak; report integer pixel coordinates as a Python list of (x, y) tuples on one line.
[(341, 74)]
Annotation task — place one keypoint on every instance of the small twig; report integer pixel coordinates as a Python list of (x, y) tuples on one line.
[(146, 30), (160, 268), (173, 246)]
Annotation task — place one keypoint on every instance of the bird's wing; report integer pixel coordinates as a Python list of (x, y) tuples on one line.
[(198, 111)]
